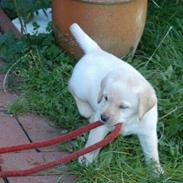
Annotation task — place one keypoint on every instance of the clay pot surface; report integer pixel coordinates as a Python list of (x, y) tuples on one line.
[(105, 1), (116, 25)]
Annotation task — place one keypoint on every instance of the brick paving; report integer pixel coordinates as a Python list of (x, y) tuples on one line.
[(5, 99), (1, 80), (24, 160), (26, 129), (10, 132), (38, 128), (43, 179)]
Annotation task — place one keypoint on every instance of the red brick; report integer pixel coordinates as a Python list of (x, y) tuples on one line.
[(21, 160), (7, 25), (26, 160), (1, 80), (43, 179), (38, 128), (6, 98), (10, 132), (34, 179)]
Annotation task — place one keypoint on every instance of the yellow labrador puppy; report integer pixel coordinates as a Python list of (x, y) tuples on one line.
[(109, 89)]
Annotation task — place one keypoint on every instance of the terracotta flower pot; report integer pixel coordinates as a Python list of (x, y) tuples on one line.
[(116, 25)]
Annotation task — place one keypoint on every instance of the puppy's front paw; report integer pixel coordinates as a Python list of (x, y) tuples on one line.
[(158, 170), (83, 161), (86, 159)]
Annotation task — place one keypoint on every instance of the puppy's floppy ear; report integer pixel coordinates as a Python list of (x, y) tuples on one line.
[(100, 94), (147, 99)]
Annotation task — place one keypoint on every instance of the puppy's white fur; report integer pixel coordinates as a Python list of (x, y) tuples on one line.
[(104, 85)]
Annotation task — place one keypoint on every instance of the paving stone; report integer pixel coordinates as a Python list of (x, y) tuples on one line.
[(5, 98), (41, 179), (10, 132), (34, 179), (24, 160), (7, 25), (19, 161), (38, 128), (1, 81)]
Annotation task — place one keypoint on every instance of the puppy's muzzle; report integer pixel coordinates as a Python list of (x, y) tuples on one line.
[(104, 118)]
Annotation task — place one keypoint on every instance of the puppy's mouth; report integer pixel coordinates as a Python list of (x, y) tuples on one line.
[(107, 120), (109, 123)]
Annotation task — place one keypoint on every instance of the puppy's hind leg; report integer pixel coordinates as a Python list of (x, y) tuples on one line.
[(84, 108)]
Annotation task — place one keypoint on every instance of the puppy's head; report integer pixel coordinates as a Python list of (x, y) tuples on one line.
[(120, 100)]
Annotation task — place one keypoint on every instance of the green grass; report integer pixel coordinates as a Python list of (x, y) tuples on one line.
[(44, 70)]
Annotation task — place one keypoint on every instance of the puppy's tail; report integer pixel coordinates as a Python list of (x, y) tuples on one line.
[(85, 42)]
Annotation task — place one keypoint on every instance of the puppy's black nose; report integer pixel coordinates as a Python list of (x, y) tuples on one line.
[(104, 118)]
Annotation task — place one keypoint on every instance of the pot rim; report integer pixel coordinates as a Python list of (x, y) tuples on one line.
[(107, 2)]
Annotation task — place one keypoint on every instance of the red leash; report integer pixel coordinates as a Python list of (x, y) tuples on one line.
[(60, 139)]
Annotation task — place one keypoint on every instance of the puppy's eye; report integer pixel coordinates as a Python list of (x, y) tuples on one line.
[(123, 107), (106, 98)]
